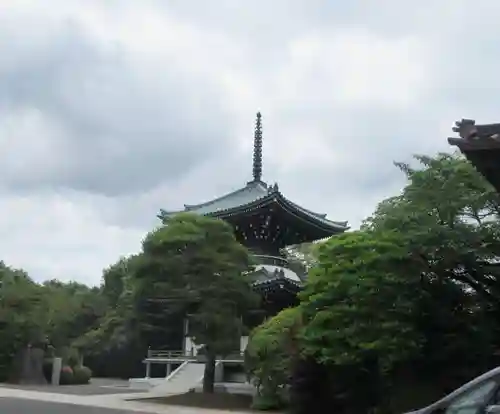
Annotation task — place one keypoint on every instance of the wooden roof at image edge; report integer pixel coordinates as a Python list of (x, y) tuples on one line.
[(481, 146)]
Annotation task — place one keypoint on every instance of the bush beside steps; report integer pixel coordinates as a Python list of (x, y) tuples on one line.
[(78, 375)]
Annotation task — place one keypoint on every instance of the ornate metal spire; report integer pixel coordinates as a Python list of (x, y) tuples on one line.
[(257, 149)]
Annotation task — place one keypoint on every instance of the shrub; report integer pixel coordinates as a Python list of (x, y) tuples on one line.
[(67, 375), (81, 375), (267, 403), (268, 358)]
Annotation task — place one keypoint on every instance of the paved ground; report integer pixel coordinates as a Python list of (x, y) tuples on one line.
[(98, 386), (23, 401), (18, 406)]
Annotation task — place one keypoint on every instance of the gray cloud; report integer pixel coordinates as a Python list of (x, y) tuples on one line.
[(108, 128), (111, 111)]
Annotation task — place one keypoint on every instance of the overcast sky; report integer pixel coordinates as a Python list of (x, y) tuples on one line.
[(111, 110)]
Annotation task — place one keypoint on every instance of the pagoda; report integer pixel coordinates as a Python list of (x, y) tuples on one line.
[(481, 146), (266, 222)]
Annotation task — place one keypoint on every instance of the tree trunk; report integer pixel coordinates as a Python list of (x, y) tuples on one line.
[(209, 374)]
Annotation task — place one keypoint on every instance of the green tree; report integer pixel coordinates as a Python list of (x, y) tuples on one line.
[(69, 310), (269, 354), (114, 277), (447, 219), (358, 309), (416, 291), (116, 345), (359, 301), (21, 319), (194, 265), (448, 215)]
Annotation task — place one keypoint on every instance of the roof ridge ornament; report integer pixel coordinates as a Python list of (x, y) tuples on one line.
[(257, 150), (466, 129), (273, 188)]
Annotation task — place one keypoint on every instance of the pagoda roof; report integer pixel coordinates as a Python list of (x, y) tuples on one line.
[(270, 278), (481, 146), (277, 284), (257, 194), (254, 195), (264, 273)]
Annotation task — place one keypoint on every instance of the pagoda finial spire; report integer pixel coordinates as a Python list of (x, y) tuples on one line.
[(257, 149)]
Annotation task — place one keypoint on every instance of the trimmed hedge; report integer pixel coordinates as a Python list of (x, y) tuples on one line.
[(78, 375), (81, 375), (269, 356)]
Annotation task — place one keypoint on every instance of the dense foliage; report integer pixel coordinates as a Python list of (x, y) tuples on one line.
[(364, 286), (406, 309), (269, 356), (391, 316), (52, 313)]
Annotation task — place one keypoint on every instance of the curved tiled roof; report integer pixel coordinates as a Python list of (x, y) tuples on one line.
[(269, 278), (287, 273), (253, 195), (248, 194)]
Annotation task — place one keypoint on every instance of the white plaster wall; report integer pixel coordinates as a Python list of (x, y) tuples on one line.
[(243, 343), (219, 372)]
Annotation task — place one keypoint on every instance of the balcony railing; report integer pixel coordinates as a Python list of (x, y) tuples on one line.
[(270, 260), (167, 354), (182, 355)]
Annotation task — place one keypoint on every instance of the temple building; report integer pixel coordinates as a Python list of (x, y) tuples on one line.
[(481, 146), (266, 222)]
